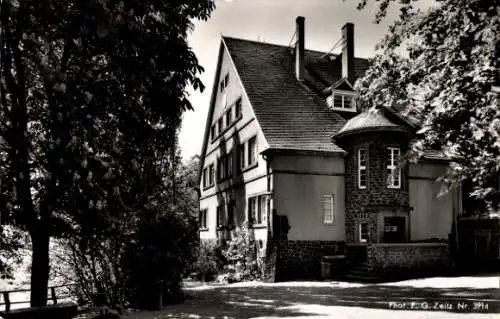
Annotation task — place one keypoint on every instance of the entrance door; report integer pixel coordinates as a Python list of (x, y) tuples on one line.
[(394, 229)]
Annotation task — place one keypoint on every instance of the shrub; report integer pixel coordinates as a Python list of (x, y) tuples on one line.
[(132, 265), (240, 255), (157, 259), (207, 264)]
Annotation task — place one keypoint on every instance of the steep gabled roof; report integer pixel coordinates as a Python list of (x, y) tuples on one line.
[(292, 114)]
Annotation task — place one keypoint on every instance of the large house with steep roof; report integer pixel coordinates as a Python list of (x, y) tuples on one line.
[(288, 151)]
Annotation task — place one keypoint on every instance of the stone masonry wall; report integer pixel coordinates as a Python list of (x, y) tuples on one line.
[(414, 259), (301, 259), (364, 204)]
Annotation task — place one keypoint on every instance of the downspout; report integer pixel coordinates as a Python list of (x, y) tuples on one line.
[(269, 188), (271, 252), (456, 211)]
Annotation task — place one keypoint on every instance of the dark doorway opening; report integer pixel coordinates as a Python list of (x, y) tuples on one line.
[(394, 229)]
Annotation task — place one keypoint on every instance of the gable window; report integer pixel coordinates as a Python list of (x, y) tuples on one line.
[(252, 209), (328, 216), (205, 177), (252, 151), (220, 124), (241, 156), (237, 108), (213, 133), (221, 168), (203, 219), (211, 174), (362, 160), (229, 164), (224, 82), (220, 216), (393, 169), (230, 213), (258, 207), (364, 233), (342, 100), (229, 117)]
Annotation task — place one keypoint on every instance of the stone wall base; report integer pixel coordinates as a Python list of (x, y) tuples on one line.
[(300, 259), (410, 260)]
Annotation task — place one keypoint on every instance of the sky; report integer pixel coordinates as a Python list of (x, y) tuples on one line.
[(273, 21)]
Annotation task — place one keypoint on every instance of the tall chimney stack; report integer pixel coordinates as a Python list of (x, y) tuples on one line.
[(348, 52), (299, 48)]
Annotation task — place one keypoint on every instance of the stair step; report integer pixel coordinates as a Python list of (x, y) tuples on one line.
[(365, 278), (359, 267), (359, 272)]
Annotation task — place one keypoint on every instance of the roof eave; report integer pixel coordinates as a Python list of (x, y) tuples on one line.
[(211, 108), (342, 134), (297, 151)]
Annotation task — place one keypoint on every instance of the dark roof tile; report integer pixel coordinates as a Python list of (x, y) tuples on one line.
[(291, 114)]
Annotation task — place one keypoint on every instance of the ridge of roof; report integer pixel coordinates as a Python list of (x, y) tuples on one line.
[(272, 44), (319, 52)]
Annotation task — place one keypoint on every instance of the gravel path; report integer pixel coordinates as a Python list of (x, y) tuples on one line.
[(458, 297)]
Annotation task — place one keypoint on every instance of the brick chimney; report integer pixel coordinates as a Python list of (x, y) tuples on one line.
[(348, 52), (299, 48)]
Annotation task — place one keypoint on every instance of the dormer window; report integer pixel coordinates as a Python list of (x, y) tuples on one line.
[(224, 82), (342, 101)]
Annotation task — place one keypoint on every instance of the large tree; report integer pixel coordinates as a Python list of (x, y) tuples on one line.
[(85, 85), (442, 65)]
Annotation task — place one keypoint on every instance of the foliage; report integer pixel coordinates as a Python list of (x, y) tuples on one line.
[(446, 82), (91, 96), (141, 252), (232, 261), (11, 241), (158, 258), (240, 254), (207, 264), (124, 269)]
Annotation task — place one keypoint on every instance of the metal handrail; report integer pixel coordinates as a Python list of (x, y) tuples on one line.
[(53, 296)]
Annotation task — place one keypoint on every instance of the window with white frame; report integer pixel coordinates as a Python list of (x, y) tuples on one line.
[(342, 100), (364, 233), (241, 156), (260, 248), (229, 164), (220, 216), (205, 177), (220, 125), (258, 207), (213, 132), (237, 108), (221, 168), (230, 213), (229, 116), (211, 175), (252, 151), (328, 215), (252, 209), (393, 168), (362, 162), (203, 219)]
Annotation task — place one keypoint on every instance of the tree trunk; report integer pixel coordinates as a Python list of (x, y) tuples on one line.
[(39, 267)]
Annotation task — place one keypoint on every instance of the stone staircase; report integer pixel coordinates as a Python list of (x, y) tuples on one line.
[(359, 272)]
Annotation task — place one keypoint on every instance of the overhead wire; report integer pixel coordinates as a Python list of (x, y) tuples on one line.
[(336, 45), (291, 39)]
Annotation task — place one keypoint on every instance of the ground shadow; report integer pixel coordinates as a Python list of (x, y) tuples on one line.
[(293, 301)]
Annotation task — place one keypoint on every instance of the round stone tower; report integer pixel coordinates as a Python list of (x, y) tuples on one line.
[(376, 182)]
